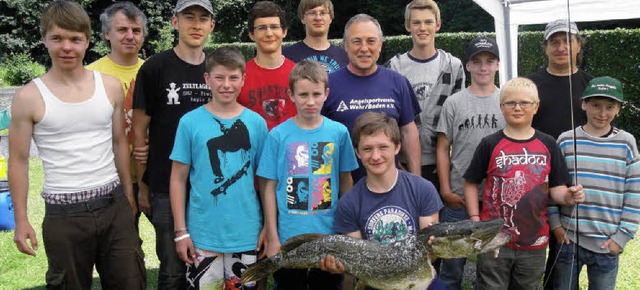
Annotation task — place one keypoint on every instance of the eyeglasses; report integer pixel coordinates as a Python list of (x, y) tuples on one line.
[(264, 28), (314, 13), (522, 104)]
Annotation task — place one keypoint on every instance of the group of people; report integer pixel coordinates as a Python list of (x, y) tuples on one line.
[(230, 158)]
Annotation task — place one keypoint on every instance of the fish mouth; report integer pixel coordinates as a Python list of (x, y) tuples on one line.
[(464, 238), (498, 240)]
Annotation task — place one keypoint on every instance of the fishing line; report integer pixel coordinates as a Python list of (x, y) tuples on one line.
[(575, 152), (574, 212)]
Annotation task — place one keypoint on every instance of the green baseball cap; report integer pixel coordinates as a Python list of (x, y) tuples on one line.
[(607, 87)]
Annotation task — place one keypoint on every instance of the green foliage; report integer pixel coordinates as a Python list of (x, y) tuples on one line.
[(394, 45), (248, 49), (101, 48), (19, 27), (161, 35), (606, 53), (464, 15), (618, 58), (390, 14), (231, 20), (530, 52), (19, 69), (164, 40)]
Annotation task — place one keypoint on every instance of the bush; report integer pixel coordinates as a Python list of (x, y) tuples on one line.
[(606, 52), (19, 69)]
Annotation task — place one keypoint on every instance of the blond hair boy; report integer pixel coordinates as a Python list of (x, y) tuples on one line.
[(516, 161)]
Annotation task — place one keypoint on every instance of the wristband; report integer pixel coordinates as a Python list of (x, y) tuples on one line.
[(474, 215), (183, 229), (180, 238)]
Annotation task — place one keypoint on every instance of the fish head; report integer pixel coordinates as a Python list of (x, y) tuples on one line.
[(463, 238)]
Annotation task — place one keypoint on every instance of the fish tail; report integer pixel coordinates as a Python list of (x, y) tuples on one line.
[(259, 270)]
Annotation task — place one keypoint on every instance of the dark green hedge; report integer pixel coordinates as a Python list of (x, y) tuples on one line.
[(606, 52)]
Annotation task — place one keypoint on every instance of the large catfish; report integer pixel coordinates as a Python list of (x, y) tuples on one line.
[(403, 264)]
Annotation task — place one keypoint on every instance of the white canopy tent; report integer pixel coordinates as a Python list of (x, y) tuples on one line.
[(509, 14)]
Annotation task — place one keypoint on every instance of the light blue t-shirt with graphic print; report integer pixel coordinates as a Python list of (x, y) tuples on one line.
[(307, 165), (223, 213)]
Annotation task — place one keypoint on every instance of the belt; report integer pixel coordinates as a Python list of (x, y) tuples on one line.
[(84, 206)]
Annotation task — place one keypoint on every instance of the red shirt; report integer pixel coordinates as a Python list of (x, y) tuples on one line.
[(515, 171), (265, 92)]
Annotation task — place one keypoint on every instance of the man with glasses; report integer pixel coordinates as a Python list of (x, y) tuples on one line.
[(316, 16), (267, 74), (364, 86)]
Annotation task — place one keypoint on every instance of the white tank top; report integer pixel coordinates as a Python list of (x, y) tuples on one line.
[(74, 141)]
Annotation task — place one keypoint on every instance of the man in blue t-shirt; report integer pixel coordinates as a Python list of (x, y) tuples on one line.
[(363, 86), (316, 16)]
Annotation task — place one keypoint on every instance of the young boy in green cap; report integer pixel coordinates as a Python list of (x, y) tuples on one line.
[(608, 168)]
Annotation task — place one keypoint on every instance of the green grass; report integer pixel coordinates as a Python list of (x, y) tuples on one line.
[(19, 271)]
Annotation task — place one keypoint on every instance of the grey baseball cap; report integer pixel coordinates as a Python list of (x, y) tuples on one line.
[(184, 4), (560, 25)]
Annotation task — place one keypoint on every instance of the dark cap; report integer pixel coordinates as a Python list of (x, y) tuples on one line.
[(184, 4), (560, 25), (607, 87), (480, 44)]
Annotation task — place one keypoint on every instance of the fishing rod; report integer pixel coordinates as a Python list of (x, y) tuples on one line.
[(575, 149)]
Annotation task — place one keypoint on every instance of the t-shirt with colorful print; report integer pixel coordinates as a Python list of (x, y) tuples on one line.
[(307, 166)]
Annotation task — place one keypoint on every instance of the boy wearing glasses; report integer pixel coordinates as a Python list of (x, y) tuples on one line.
[(516, 161), (467, 117), (316, 16), (267, 75)]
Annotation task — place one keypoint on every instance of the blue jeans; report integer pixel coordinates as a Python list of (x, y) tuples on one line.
[(513, 269), (602, 269), (452, 270), (172, 273)]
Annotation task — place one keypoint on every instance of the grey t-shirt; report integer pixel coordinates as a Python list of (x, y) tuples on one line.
[(433, 80), (465, 119)]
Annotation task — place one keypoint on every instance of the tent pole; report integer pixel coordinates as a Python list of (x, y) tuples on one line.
[(507, 35)]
